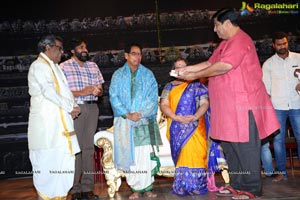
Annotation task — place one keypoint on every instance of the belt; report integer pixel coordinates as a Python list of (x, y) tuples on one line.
[(87, 102)]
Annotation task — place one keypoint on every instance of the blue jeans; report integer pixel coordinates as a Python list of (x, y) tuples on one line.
[(279, 140), (266, 158)]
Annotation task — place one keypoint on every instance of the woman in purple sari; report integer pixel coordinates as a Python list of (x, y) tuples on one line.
[(185, 104)]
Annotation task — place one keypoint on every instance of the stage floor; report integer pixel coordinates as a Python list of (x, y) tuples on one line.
[(22, 189)]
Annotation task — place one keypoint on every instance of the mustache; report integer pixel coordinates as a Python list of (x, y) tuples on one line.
[(283, 50), (84, 53)]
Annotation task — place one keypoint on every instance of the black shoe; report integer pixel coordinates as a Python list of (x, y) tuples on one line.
[(76, 196), (89, 196)]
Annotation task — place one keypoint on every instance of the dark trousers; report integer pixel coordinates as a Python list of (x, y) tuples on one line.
[(85, 128), (244, 161)]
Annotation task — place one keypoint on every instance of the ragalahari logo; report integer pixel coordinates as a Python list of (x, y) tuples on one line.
[(246, 8), (270, 8)]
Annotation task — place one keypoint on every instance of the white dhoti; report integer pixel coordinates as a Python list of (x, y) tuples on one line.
[(53, 172), (141, 176), (52, 141)]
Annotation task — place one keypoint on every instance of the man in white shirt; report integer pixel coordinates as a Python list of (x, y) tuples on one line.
[(52, 141), (278, 76)]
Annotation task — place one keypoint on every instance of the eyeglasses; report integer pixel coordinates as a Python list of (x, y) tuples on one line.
[(135, 54), (59, 47)]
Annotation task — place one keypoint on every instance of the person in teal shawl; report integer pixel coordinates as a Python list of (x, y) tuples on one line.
[(133, 96)]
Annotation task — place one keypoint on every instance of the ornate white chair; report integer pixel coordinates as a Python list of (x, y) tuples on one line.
[(105, 140)]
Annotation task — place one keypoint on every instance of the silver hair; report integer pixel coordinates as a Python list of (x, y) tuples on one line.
[(48, 40)]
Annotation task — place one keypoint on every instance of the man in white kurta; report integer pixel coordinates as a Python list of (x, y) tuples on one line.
[(51, 137)]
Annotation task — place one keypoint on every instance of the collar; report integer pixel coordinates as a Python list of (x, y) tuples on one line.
[(44, 56), (75, 61), (278, 57)]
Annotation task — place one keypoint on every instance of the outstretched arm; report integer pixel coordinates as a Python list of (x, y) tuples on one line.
[(215, 69)]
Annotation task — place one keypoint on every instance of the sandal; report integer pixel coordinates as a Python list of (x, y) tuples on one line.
[(227, 192), (279, 178), (243, 195)]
